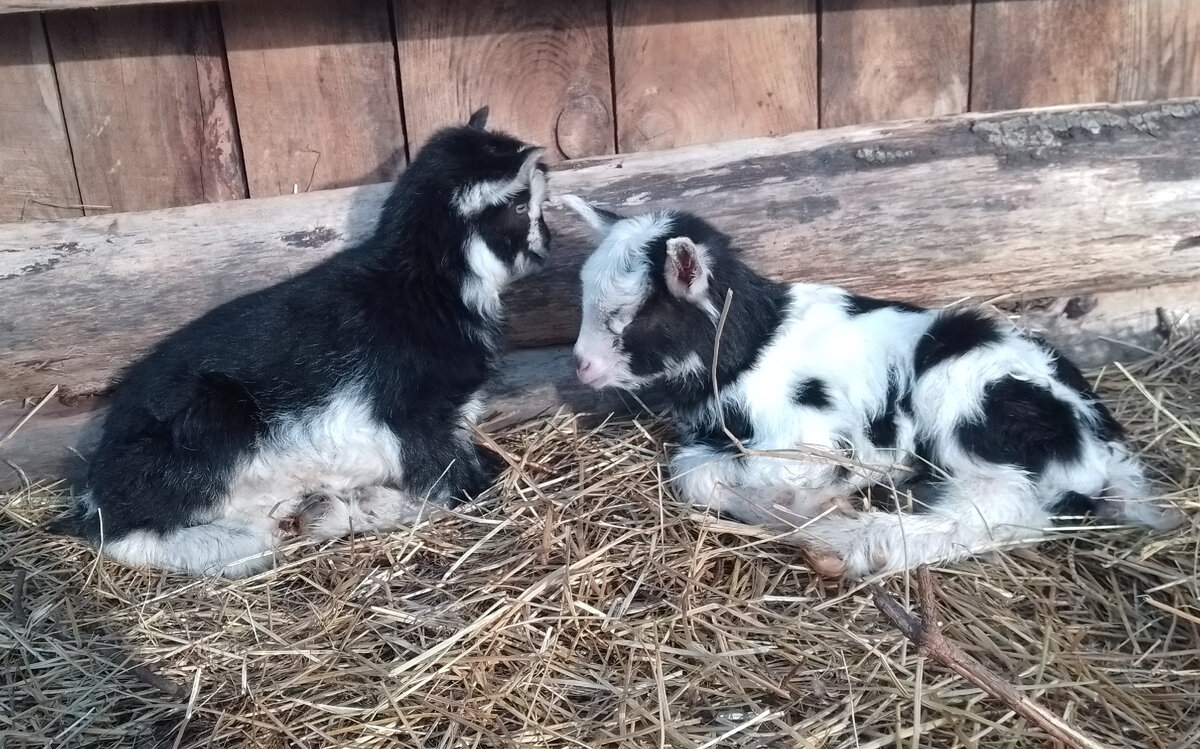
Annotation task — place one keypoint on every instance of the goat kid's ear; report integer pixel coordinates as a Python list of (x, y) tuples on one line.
[(600, 220), (479, 119), (687, 269)]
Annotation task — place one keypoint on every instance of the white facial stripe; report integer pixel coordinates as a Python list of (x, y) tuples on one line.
[(481, 195)]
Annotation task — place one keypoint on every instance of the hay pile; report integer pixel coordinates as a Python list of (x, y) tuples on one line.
[(587, 609)]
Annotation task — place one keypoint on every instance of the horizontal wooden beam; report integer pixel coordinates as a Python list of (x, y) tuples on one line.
[(1046, 203), (26, 6)]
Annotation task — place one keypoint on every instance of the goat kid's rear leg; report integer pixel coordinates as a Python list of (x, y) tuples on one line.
[(1126, 496), (970, 515)]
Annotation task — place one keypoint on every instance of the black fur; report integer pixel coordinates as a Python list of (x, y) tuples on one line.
[(811, 392), (954, 333), (707, 430), (1065, 370), (881, 429), (1023, 425), (387, 313), (861, 305)]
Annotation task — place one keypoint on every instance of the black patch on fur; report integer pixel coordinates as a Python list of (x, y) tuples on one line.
[(1022, 425), (861, 305), (882, 428), (811, 392), (711, 435), (952, 334)]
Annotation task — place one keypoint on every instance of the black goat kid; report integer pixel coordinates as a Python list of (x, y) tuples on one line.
[(339, 401)]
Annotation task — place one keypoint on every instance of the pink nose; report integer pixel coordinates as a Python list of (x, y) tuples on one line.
[(585, 370)]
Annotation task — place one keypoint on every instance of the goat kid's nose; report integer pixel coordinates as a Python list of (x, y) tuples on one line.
[(581, 364)]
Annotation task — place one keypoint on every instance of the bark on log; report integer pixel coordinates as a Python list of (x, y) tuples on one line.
[(1050, 203), (25, 6)]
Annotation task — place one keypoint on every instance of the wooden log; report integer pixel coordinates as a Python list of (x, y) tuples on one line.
[(301, 71), (146, 101), (897, 61), (23, 6), (37, 178), (712, 70), (1052, 203), (542, 69), (1030, 54)]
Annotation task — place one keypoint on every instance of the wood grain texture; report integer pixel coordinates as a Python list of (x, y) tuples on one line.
[(1044, 204), (896, 61), (712, 70), (145, 95), (1093, 329), (22, 6), (541, 67), (1066, 51), (37, 178), (316, 93)]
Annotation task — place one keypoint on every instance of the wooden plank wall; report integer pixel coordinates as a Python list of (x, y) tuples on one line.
[(140, 107)]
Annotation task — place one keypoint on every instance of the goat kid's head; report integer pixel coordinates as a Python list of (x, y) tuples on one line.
[(649, 308), (497, 187)]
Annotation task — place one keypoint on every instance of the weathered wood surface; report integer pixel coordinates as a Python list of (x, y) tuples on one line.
[(897, 61), (1031, 54), (712, 70), (542, 68), (22, 6), (1093, 329), (37, 178), (318, 105), (146, 101), (1042, 204)]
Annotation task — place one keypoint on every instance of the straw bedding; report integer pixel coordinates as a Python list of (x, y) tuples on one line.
[(582, 607)]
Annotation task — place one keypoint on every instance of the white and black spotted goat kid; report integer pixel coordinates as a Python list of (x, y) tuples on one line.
[(339, 401), (992, 432)]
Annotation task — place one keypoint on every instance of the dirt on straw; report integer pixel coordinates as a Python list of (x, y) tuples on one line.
[(584, 607)]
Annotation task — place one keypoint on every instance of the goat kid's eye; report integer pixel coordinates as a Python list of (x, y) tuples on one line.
[(521, 208)]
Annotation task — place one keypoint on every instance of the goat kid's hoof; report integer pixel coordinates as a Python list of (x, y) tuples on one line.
[(825, 563), (841, 506), (311, 509)]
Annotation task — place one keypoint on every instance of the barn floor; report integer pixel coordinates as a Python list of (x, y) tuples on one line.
[(587, 609)]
